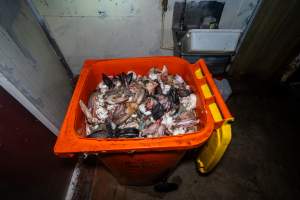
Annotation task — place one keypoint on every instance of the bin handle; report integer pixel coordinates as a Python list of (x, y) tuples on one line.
[(218, 97)]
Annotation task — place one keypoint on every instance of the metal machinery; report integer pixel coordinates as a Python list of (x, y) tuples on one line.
[(196, 34)]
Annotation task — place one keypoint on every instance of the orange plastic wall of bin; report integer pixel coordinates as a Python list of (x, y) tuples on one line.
[(142, 168), (134, 160)]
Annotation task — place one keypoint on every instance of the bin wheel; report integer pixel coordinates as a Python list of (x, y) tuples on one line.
[(165, 187)]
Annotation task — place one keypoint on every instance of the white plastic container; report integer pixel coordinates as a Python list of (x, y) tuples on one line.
[(211, 41)]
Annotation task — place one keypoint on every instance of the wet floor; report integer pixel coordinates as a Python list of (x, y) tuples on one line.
[(260, 163)]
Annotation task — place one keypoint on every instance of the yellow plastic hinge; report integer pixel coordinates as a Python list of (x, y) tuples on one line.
[(214, 110), (198, 73), (212, 152), (206, 91)]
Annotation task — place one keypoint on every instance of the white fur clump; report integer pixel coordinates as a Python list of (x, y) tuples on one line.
[(189, 102), (143, 110), (101, 113)]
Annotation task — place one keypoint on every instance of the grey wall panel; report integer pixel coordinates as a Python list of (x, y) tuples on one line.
[(29, 65)]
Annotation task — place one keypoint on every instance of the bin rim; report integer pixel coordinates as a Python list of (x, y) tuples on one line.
[(70, 143)]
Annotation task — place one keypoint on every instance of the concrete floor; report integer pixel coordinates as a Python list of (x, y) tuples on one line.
[(260, 163)]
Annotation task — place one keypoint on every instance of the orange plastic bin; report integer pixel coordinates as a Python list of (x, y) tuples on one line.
[(134, 161)]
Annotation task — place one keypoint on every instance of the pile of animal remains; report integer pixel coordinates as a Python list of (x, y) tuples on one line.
[(131, 105)]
